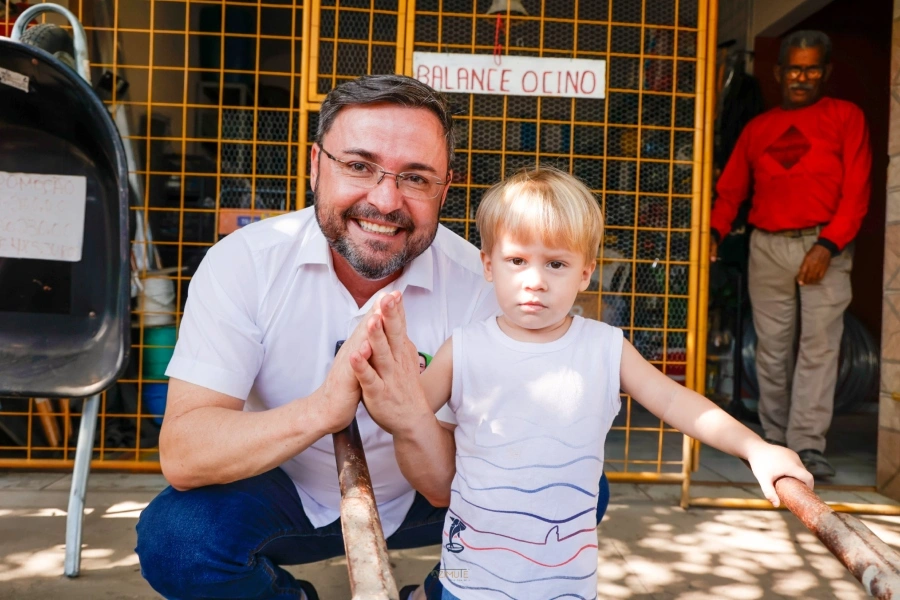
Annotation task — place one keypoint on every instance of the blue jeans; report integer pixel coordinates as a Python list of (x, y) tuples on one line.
[(228, 541)]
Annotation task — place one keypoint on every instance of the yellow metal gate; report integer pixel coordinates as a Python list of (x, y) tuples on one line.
[(218, 103)]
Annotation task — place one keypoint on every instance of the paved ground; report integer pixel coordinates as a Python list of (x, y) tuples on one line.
[(649, 548)]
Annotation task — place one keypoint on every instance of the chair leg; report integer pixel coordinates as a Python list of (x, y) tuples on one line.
[(75, 517)]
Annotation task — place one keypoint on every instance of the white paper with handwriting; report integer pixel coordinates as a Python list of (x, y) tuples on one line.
[(42, 216)]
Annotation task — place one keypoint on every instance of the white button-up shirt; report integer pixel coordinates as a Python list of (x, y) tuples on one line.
[(264, 312)]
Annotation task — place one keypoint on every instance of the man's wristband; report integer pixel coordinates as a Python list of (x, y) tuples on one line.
[(829, 245), (715, 236)]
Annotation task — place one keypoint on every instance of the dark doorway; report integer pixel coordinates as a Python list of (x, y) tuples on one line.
[(861, 36)]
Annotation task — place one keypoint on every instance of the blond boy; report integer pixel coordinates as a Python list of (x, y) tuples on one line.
[(531, 395)]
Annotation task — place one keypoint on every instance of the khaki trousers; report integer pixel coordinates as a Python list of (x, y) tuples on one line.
[(796, 397)]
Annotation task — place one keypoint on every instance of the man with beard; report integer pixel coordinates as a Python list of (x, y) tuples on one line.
[(807, 164), (255, 387)]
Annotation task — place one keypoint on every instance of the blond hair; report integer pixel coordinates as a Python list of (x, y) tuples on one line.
[(543, 204)]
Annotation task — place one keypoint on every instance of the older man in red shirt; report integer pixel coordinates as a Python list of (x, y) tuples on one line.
[(807, 163)]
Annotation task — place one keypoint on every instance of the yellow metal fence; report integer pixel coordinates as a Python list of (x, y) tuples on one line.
[(218, 102)]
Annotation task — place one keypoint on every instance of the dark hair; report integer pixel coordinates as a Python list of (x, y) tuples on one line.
[(805, 39), (390, 89)]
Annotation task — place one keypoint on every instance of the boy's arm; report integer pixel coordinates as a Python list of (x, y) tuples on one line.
[(437, 381), (387, 368), (438, 377), (694, 415)]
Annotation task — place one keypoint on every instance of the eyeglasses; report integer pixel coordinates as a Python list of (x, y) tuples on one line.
[(365, 174), (812, 72)]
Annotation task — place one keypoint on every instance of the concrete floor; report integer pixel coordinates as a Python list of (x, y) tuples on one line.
[(649, 548)]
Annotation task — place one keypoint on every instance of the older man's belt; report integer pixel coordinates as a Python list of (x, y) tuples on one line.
[(796, 233)]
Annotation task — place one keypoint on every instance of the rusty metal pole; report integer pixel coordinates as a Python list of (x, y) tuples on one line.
[(367, 558), (875, 564)]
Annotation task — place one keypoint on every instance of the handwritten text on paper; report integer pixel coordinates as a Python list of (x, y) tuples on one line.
[(42, 216)]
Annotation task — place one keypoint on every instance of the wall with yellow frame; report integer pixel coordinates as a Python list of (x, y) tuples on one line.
[(218, 102)]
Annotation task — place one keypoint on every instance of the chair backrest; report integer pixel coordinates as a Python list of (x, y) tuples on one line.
[(64, 297)]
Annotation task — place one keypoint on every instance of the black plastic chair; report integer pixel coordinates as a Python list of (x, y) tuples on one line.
[(64, 324)]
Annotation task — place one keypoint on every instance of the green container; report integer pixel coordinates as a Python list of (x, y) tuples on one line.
[(156, 359)]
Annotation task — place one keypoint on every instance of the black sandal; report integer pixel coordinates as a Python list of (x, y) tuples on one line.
[(407, 591), (816, 463)]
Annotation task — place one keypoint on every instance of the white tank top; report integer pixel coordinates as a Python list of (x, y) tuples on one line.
[(532, 421)]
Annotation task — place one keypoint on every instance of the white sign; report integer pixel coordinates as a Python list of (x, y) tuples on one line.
[(13, 79), (42, 216), (513, 76)]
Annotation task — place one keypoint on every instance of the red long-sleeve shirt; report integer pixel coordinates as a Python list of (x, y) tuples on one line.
[(809, 166)]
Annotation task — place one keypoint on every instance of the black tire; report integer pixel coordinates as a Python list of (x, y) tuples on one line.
[(858, 364), (54, 40)]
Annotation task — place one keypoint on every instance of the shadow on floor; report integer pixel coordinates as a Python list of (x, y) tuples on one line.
[(649, 548)]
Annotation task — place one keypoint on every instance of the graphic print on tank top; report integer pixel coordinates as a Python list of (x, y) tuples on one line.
[(537, 514), (532, 421)]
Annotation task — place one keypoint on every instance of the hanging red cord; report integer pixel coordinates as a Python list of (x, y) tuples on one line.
[(498, 47)]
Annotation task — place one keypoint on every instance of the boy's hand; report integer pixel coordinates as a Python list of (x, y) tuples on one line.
[(770, 463), (387, 368)]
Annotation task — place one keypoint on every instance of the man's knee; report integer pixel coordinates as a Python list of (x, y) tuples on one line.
[(179, 538)]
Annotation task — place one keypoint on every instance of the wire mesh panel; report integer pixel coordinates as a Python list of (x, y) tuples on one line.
[(355, 37), (206, 96), (634, 149), (213, 98)]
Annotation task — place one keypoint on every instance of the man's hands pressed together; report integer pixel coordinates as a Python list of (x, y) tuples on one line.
[(341, 393), (387, 368)]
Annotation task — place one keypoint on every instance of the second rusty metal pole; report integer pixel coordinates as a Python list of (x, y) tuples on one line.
[(875, 564)]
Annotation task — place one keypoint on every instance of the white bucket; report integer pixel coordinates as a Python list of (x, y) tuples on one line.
[(157, 301)]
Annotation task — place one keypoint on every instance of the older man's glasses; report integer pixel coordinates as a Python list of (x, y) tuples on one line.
[(812, 72), (365, 174)]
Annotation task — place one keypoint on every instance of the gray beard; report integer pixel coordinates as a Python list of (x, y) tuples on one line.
[(364, 265)]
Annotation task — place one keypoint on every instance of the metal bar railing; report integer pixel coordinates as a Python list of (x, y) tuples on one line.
[(875, 564)]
